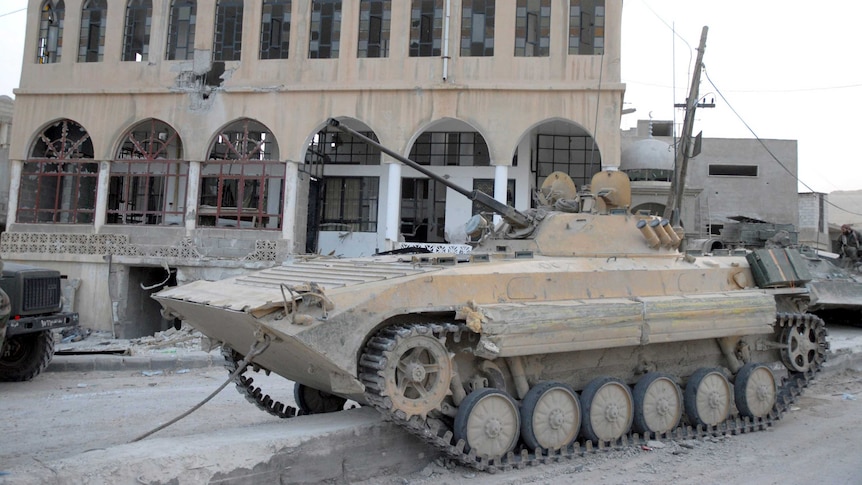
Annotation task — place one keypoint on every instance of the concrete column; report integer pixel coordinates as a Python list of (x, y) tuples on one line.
[(501, 183), (16, 166), (291, 189), (102, 195), (194, 187), (393, 208)]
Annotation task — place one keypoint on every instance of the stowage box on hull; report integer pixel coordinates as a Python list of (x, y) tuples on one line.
[(778, 268)]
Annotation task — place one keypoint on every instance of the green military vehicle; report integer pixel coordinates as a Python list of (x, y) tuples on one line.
[(31, 307)]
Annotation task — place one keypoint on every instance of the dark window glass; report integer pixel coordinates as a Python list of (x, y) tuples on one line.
[(733, 170), (532, 28), (181, 30), (477, 28), (587, 27), (426, 28), (275, 29), (325, 29), (375, 18), (136, 36), (94, 15), (227, 43), (50, 45)]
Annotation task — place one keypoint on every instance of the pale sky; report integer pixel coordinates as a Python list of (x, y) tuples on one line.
[(789, 68)]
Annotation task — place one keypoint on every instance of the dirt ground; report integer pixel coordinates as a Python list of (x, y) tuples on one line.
[(62, 414)]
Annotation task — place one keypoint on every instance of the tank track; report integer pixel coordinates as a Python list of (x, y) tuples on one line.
[(253, 394), (437, 434)]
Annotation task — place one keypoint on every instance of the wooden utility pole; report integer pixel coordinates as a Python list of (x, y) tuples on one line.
[(680, 166)]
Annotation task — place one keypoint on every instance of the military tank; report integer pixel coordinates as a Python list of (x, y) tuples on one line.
[(569, 327)]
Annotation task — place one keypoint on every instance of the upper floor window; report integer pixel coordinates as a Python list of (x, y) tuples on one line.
[(148, 177), (227, 44), (181, 30), (136, 37), (50, 44), (477, 28), (59, 178), (94, 17), (275, 29), (587, 27), (375, 17), (325, 29), (532, 28), (426, 28), (733, 170)]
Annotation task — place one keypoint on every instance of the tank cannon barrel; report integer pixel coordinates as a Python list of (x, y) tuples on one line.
[(514, 217)]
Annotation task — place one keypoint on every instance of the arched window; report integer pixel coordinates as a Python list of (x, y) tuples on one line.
[(50, 44), (136, 35), (59, 179), (181, 30), (94, 17), (426, 28), (148, 177), (241, 183)]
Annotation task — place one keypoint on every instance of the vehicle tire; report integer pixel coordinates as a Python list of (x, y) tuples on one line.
[(755, 390), (26, 356)]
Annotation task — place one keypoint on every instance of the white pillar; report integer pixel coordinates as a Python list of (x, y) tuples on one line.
[(288, 221), (194, 187), (393, 204), (102, 195), (14, 189), (501, 186)]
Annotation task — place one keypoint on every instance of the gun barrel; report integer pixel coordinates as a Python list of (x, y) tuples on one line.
[(510, 214)]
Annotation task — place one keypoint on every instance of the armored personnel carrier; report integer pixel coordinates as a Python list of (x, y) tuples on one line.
[(573, 325)]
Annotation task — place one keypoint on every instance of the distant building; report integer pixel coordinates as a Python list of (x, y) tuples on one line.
[(729, 179), (161, 141)]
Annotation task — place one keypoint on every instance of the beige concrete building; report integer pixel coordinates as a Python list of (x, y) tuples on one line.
[(731, 178), (161, 141)]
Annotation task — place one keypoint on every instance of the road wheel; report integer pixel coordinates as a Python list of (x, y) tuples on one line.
[(313, 401), (550, 416), (755, 390), (708, 397), (608, 409), (658, 404), (26, 356), (489, 422)]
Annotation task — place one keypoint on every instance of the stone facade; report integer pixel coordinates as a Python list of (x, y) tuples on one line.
[(101, 95)]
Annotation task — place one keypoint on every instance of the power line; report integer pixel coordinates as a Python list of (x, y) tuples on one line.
[(14, 11), (759, 140)]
